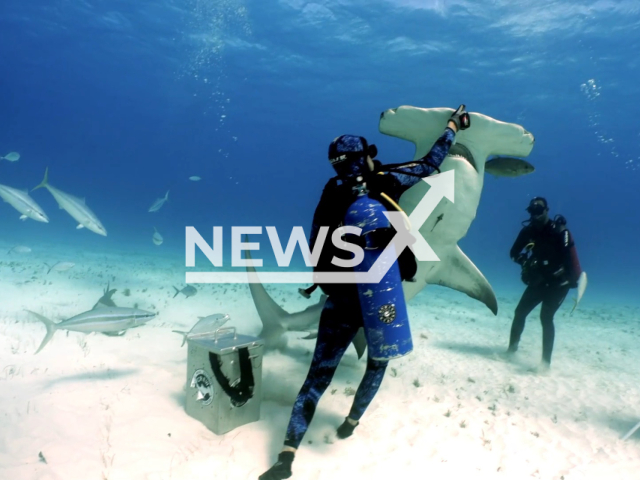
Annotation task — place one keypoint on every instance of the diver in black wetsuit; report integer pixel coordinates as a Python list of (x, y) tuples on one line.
[(550, 268), (341, 318)]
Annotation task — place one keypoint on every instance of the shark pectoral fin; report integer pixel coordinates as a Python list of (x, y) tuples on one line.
[(184, 336), (23, 217), (79, 226), (310, 336), (459, 273), (360, 342), (114, 334)]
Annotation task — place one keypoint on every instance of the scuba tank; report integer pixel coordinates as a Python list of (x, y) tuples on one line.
[(384, 310), (560, 223)]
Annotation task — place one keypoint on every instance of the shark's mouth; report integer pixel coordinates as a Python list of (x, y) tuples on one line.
[(460, 150)]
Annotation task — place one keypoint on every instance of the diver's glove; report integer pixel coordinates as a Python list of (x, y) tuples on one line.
[(461, 118)]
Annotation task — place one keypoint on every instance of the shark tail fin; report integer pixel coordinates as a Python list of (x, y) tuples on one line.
[(184, 336), (177, 292), (51, 329), (166, 196), (45, 180)]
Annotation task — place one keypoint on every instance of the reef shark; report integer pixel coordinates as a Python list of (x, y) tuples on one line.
[(467, 158), (108, 320)]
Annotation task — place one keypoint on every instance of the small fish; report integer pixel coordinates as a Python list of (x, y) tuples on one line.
[(195, 178), (60, 266), (508, 167), (74, 206), (157, 205), (188, 291), (582, 286), (205, 327), (23, 203), (157, 238), (19, 249), (12, 157), (101, 320)]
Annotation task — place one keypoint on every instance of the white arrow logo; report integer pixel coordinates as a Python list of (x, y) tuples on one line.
[(442, 186)]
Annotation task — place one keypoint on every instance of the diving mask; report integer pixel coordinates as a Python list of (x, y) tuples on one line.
[(536, 209)]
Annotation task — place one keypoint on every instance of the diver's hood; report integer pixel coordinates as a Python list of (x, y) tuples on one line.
[(348, 156)]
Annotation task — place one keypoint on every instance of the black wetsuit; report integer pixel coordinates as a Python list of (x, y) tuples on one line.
[(549, 280)]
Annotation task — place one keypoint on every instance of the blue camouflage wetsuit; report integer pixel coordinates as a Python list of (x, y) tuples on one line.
[(341, 317)]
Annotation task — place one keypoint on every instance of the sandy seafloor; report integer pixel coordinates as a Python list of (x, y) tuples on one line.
[(98, 407)]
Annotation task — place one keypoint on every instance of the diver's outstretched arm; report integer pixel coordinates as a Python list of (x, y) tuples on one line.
[(414, 171)]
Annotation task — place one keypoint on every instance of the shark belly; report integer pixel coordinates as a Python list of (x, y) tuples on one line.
[(77, 209), (97, 326), (16, 202)]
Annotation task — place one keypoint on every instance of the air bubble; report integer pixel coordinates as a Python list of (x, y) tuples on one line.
[(590, 89)]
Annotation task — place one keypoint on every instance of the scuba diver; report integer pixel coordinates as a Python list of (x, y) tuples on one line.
[(550, 268), (353, 160)]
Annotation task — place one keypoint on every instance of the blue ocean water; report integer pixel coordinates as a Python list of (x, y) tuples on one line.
[(123, 101)]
